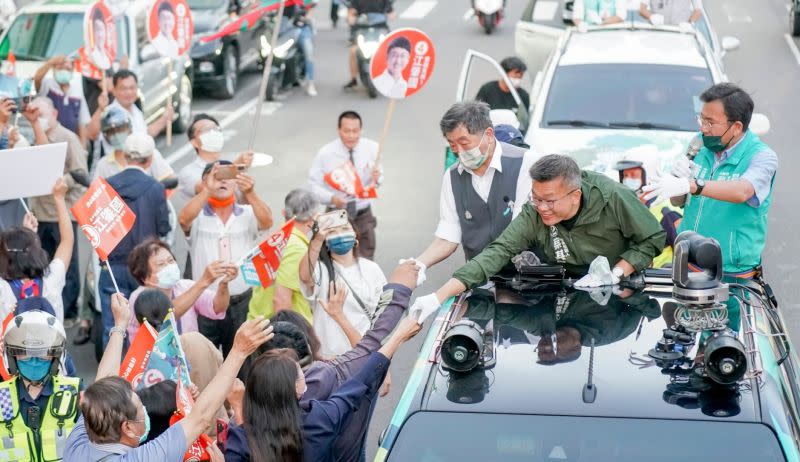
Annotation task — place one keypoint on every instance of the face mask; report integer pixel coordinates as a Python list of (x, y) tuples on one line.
[(63, 76), (34, 369), (212, 140), (633, 183), (341, 244), (473, 158), (44, 123), (168, 276), (714, 143), (516, 81), (143, 438), (117, 141)]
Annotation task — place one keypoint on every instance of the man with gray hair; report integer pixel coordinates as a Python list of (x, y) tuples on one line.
[(285, 294), (483, 192), (572, 218)]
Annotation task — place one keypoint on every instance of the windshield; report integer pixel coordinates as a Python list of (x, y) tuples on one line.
[(504, 437), (204, 4), (40, 36), (626, 96)]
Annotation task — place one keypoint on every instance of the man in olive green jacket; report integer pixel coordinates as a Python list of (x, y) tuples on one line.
[(573, 217)]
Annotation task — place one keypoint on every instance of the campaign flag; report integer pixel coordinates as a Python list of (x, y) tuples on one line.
[(11, 71), (403, 63), (184, 403), (166, 361), (133, 366), (261, 264), (345, 179), (85, 67), (103, 216)]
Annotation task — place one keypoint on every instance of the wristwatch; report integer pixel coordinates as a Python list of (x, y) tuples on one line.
[(701, 183)]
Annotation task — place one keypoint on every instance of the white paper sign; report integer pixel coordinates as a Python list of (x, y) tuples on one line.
[(31, 171)]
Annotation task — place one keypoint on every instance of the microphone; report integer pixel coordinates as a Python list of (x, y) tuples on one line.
[(694, 147)]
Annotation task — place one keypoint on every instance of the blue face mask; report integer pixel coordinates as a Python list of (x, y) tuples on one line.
[(63, 76), (33, 369), (117, 140), (143, 438), (342, 243)]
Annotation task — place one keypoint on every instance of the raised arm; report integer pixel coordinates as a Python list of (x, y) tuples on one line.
[(334, 307), (112, 356), (309, 261), (64, 249)]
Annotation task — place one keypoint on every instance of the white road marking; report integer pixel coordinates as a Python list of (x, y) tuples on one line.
[(419, 9), (469, 14), (792, 47)]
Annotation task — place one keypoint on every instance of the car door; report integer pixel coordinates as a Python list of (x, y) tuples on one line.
[(539, 31), (151, 71)]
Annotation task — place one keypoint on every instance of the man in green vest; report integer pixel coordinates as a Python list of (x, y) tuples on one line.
[(728, 192), (38, 406)]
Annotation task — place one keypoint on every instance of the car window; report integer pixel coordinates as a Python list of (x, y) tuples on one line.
[(510, 438), (553, 13), (664, 95), (39, 36)]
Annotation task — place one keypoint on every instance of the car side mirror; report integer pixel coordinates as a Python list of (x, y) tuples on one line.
[(148, 53), (730, 43), (759, 124)]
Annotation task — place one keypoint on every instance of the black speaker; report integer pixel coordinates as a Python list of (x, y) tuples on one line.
[(725, 359), (462, 347)]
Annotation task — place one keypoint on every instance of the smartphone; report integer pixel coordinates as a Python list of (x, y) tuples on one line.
[(222, 434), (225, 248), (226, 172), (332, 219)]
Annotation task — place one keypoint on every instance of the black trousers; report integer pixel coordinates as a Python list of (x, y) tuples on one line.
[(50, 238), (221, 332)]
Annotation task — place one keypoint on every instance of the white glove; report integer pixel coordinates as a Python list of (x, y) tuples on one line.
[(682, 168), (657, 19), (421, 276), (582, 27), (423, 307), (666, 187), (592, 17)]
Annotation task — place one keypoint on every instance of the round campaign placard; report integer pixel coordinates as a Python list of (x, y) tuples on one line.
[(100, 35), (170, 27), (403, 63)]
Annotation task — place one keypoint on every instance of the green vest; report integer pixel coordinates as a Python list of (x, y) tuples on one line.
[(740, 228), (21, 443)]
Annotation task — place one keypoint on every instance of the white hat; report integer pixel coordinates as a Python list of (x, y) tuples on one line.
[(139, 146)]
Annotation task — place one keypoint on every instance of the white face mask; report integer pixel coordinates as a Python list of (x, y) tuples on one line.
[(212, 140), (44, 123), (633, 183), (473, 158), (515, 81), (168, 276)]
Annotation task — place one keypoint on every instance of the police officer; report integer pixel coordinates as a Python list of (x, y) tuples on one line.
[(38, 406), (728, 190)]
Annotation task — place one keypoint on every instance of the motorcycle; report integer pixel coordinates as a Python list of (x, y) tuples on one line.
[(370, 30), (489, 13), (288, 61)]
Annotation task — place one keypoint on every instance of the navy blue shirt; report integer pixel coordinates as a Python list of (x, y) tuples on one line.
[(324, 420)]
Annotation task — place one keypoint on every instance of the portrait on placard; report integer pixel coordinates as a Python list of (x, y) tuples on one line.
[(403, 63), (100, 35), (170, 27)]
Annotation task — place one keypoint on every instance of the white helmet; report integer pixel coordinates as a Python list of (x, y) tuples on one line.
[(34, 333)]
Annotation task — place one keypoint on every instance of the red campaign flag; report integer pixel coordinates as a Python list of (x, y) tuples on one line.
[(12, 64), (133, 366), (104, 217), (345, 179), (183, 399), (246, 21), (260, 266), (85, 67)]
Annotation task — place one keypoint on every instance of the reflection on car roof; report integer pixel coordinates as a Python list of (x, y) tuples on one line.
[(633, 46)]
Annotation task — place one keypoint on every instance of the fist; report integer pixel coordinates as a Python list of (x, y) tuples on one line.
[(405, 274)]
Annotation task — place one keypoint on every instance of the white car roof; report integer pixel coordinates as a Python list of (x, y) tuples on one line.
[(625, 46)]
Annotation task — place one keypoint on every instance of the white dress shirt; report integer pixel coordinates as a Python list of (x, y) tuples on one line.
[(449, 227), (332, 156)]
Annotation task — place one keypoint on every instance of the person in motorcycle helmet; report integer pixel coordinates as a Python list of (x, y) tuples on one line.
[(39, 405)]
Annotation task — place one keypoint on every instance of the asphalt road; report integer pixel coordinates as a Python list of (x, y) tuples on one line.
[(292, 131)]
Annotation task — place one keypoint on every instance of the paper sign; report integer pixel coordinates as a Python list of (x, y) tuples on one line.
[(100, 35), (31, 171), (345, 179), (170, 27), (133, 366), (261, 264), (103, 217), (403, 63)]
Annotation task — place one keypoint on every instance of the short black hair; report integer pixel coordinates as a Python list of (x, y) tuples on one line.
[(22, 255), (399, 42), (153, 305), (350, 115), (512, 63), (197, 118), (308, 330), (123, 74), (165, 6), (737, 103), (159, 400), (287, 335)]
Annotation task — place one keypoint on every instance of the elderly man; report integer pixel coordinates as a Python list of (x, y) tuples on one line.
[(44, 207), (572, 218)]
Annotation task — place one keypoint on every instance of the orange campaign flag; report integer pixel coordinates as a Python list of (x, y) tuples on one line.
[(135, 362), (103, 216), (12, 64), (260, 266), (85, 67), (184, 403), (345, 179)]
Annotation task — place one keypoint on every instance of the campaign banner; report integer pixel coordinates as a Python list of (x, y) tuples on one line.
[(31, 171), (100, 35), (103, 217), (167, 360), (133, 366), (261, 264), (403, 63), (345, 179), (170, 27)]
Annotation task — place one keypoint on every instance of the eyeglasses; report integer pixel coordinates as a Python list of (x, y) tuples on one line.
[(707, 124), (547, 204)]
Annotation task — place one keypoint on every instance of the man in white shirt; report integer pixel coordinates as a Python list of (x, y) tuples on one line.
[(350, 149), (484, 191), (216, 225)]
